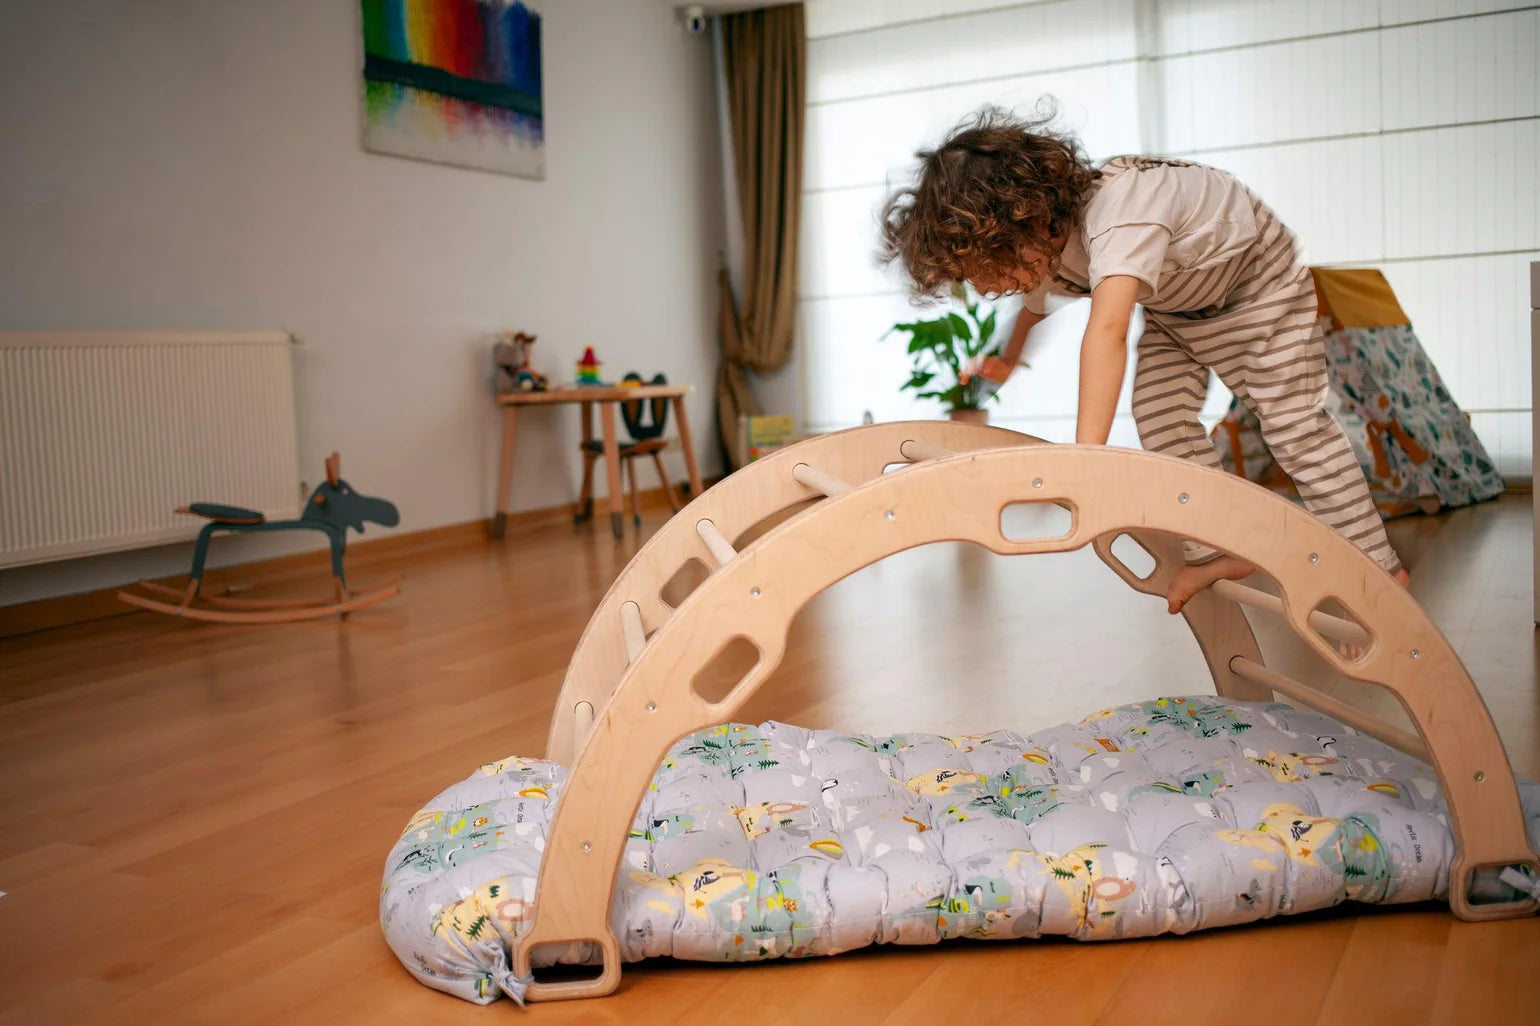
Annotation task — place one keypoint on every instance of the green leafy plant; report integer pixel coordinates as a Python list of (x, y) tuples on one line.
[(940, 348)]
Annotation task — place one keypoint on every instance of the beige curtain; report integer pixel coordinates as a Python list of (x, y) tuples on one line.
[(764, 61)]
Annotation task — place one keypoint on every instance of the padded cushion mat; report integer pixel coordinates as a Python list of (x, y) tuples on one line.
[(1166, 816)]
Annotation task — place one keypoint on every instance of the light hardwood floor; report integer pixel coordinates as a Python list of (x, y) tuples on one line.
[(198, 816)]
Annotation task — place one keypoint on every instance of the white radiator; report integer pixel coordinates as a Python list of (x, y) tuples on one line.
[(104, 434)]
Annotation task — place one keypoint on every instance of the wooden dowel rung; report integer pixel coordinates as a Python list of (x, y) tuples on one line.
[(1334, 627), (582, 723), (631, 627), (914, 451), (1322, 702), (826, 484), (721, 549)]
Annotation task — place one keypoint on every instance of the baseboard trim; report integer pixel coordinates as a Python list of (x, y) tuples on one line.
[(103, 603)]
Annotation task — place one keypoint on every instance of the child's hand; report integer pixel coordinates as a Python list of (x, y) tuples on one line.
[(996, 369), (991, 368)]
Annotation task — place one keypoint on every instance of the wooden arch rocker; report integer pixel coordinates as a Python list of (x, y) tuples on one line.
[(629, 685), (332, 508)]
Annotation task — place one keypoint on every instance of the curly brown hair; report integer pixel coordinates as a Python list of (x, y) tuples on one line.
[(997, 197)]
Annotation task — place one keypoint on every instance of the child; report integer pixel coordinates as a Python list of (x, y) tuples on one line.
[(1013, 208)]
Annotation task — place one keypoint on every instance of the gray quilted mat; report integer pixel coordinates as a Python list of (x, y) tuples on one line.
[(775, 841)]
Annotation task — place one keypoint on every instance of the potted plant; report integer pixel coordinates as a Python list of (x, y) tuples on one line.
[(942, 347)]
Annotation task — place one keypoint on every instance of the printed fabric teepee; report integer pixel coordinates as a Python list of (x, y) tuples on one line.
[(1414, 442)]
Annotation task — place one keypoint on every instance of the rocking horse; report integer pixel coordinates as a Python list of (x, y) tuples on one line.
[(331, 509)]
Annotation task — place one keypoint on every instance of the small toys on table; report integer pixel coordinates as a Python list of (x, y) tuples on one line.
[(511, 357), (588, 368)]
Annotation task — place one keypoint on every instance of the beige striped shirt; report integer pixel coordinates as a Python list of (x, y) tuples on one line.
[(1164, 222), (1223, 291)]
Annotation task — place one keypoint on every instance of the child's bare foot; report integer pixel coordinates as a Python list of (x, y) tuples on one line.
[(1195, 577)]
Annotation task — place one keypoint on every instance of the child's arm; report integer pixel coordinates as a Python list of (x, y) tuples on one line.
[(1026, 320), (998, 368), (1104, 357)]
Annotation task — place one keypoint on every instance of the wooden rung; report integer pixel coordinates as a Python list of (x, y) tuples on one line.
[(1335, 708), (582, 722), (817, 480), (721, 549), (631, 627), (914, 451), (1334, 627)]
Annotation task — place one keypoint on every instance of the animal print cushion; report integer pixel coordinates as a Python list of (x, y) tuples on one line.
[(775, 841)]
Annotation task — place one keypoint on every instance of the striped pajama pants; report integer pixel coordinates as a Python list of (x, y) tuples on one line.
[(1256, 328)]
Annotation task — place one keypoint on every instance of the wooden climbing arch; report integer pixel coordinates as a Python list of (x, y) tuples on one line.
[(780, 531)]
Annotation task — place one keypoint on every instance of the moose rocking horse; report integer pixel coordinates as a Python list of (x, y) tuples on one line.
[(331, 509)]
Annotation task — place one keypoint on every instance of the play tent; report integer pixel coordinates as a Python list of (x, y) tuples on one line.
[(1414, 442)]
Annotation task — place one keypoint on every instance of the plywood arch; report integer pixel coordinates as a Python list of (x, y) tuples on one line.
[(758, 592), (747, 502)]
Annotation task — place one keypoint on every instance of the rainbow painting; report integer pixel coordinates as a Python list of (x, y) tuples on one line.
[(455, 82)]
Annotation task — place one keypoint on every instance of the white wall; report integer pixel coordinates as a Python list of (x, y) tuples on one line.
[(178, 164), (1402, 134)]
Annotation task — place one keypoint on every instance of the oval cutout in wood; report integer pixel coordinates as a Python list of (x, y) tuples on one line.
[(1136, 559), (1036, 521), (690, 575), (726, 670), (1337, 627), (561, 972)]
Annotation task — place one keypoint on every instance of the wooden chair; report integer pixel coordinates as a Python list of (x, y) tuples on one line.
[(645, 422)]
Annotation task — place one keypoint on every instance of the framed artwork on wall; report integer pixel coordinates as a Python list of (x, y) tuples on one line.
[(455, 82)]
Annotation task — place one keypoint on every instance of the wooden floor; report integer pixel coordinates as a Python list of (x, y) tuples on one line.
[(198, 816)]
